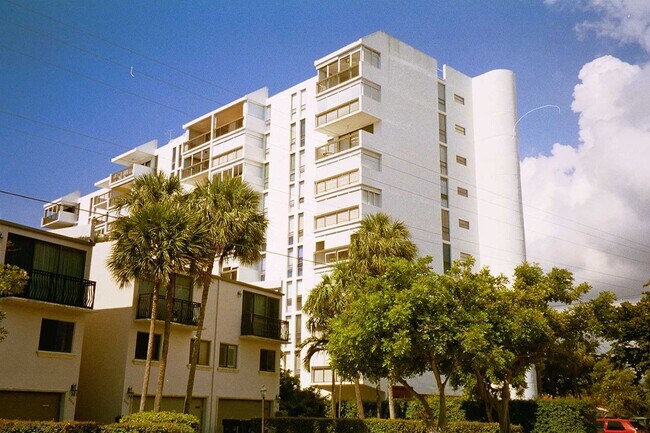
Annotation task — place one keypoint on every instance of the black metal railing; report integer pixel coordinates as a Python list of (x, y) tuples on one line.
[(59, 289), (266, 327), (185, 312)]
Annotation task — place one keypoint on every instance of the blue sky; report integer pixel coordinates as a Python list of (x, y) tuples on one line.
[(237, 47)]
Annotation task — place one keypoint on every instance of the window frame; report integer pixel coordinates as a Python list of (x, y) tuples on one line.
[(267, 361), (63, 333), (226, 363)]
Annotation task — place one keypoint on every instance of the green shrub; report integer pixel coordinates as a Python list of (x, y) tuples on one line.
[(163, 417), (562, 415), (16, 426), (149, 427)]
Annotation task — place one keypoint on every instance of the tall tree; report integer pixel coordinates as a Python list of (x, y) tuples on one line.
[(232, 227), (153, 242), (12, 282)]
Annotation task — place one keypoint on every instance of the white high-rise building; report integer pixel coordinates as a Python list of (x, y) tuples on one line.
[(380, 127)]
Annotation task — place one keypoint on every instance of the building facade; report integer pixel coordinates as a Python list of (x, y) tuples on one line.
[(380, 127), (45, 324)]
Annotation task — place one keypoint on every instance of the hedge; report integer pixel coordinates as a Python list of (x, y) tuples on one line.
[(153, 427), (369, 425), (16, 426), (163, 417)]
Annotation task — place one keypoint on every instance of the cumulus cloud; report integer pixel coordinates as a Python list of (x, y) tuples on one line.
[(625, 21), (588, 207)]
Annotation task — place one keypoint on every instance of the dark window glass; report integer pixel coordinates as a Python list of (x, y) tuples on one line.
[(615, 425), (204, 352), (446, 257), (28, 254), (261, 305), (141, 343), (56, 336), (267, 360), (227, 356)]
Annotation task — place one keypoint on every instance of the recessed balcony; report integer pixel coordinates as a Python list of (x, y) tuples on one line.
[(183, 312), (214, 126), (351, 109), (127, 175), (59, 289), (330, 256), (255, 325)]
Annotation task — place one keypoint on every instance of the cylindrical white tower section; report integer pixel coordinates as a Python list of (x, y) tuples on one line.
[(500, 214)]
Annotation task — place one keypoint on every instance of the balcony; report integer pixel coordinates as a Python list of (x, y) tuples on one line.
[(128, 174), (197, 141), (349, 109), (342, 144), (330, 256), (228, 128), (60, 215), (183, 312), (59, 289), (264, 327), (336, 79), (195, 169)]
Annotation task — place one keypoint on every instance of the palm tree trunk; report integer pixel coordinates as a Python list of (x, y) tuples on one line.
[(207, 280), (152, 333), (357, 394), (169, 311), (391, 400)]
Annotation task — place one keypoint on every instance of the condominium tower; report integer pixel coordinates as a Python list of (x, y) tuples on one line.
[(380, 127)]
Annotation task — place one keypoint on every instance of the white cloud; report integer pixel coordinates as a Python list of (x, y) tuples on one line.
[(602, 183), (625, 21)]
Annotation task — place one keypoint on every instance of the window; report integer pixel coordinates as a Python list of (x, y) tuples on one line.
[(292, 137), (290, 240), (196, 163), (371, 90), (443, 159), (339, 71), (299, 302), (465, 256), (297, 362), (301, 192), (267, 144), (301, 164), (298, 329), (56, 336), (461, 160), (267, 117), (302, 132), (303, 101), (459, 99), (442, 128), (371, 160), (301, 223), (336, 113), (204, 352), (230, 273), (445, 225), (444, 192), (462, 192), (371, 197), (615, 425), (141, 342), (266, 175), (321, 375), (267, 360), (371, 56), (31, 254), (338, 217), (231, 172), (446, 257), (227, 356), (289, 303), (442, 99), (459, 129), (335, 182), (463, 224), (300, 261), (292, 194), (292, 167), (263, 267), (294, 103), (289, 295), (228, 157), (290, 263)]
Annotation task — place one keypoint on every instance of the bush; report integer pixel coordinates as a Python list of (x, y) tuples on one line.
[(15, 426), (163, 417), (561, 415), (149, 427)]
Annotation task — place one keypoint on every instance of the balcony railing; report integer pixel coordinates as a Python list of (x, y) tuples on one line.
[(265, 327), (340, 145), (59, 289), (229, 127), (122, 174), (337, 79), (196, 141), (195, 169), (185, 312)]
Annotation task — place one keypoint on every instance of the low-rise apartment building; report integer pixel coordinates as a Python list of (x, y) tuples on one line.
[(41, 355)]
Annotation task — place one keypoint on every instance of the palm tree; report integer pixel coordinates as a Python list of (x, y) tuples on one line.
[(234, 228), (154, 242)]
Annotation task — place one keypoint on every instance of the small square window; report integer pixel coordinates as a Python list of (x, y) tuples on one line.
[(141, 343), (461, 160), (462, 192), (465, 256), (204, 352), (459, 99), (227, 356), (56, 336), (459, 129), (267, 360), (463, 224)]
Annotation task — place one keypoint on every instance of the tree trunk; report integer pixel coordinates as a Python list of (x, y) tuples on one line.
[(480, 386), (442, 414), (429, 418), (162, 368), (207, 280), (391, 401), (357, 394), (152, 333), (503, 408), (378, 399), (333, 395)]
